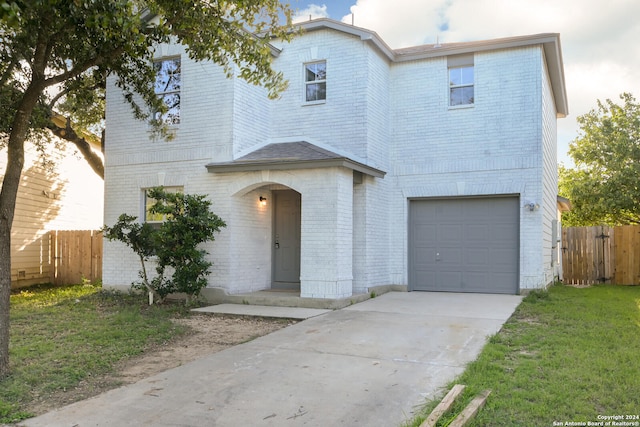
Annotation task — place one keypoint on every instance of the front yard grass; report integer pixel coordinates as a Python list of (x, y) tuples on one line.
[(567, 355), (62, 336)]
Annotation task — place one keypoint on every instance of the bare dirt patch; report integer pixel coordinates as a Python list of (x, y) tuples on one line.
[(206, 334), (209, 334)]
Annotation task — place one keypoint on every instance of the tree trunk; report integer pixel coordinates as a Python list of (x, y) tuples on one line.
[(8, 196)]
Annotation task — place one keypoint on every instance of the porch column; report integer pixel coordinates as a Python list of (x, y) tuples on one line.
[(326, 258)]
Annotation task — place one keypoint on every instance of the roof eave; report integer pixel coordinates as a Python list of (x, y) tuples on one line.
[(364, 34), (254, 166), (555, 66), (94, 141), (564, 204)]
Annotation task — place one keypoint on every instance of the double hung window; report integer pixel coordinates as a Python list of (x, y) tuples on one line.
[(167, 86), (315, 81), (461, 80)]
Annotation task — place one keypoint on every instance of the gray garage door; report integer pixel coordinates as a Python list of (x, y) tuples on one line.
[(464, 245)]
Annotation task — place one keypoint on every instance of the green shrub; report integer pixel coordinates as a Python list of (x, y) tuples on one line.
[(188, 223)]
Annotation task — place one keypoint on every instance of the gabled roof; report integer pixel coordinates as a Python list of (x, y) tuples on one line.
[(549, 41), (292, 155)]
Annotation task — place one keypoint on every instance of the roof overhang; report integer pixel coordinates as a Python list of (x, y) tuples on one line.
[(564, 204), (362, 33), (92, 139), (288, 165), (292, 155)]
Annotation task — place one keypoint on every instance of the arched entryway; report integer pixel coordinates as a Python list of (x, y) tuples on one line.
[(324, 182)]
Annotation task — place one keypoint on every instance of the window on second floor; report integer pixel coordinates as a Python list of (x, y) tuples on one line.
[(167, 86), (461, 80), (315, 81)]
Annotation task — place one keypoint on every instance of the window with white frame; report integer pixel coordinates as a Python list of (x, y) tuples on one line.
[(315, 81), (167, 86), (155, 218), (461, 80)]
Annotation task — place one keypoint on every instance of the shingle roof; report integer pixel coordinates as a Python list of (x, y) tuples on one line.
[(289, 151), (292, 155)]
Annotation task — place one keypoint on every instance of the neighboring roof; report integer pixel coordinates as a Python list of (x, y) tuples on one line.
[(291, 155), (549, 41), (91, 138), (564, 204)]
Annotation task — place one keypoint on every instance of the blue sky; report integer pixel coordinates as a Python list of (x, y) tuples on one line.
[(600, 39), (335, 9)]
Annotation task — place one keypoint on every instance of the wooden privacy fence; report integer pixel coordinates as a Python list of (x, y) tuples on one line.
[(76, 255), (601, 254)]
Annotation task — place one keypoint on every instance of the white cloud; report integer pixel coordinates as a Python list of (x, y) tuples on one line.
[(599, 39), (397, 22), (313, 11)]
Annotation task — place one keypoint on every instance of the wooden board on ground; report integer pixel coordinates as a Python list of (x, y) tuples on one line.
[(443, 406), (471, 410)]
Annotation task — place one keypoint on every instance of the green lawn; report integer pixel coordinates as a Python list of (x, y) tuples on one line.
[(566, 355), (63, 336)]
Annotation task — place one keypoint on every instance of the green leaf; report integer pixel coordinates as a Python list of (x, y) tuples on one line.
[(604, 186)]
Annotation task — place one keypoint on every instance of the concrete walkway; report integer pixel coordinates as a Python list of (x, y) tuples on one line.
[(370, 364), (298, 313)]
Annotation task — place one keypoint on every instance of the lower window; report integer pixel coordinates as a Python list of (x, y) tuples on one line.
[(154, 218)]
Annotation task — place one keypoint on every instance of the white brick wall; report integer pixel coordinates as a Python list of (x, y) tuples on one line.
[(549, 179), (393, 116), (341, 120), (494, 147)]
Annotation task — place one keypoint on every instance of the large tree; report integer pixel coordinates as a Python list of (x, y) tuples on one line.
[(55, 56), (604, 186)]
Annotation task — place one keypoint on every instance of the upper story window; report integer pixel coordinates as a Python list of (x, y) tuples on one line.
[(167, 86), (315, 81), (155, 218), (461, 80)]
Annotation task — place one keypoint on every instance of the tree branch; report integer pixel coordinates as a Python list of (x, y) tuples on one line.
[(69, 134), (79, 69), (8, 72)]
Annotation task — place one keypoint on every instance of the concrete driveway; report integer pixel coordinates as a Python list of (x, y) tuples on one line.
[(371, 364)]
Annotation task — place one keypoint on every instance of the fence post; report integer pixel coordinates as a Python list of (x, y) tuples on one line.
[(52, 256)]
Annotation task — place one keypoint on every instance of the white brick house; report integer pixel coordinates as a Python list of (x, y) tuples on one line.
[(431, 168)]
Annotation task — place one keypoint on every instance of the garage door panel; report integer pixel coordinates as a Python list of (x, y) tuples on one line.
[(475, 279), (473, 244), (450, 233), (447, 279), (503, 283), (424, 258), (446, 256), (477, 232), (477, 258), (503, 258), (427, 279), (504, 232), (426, 233), (448, 213)]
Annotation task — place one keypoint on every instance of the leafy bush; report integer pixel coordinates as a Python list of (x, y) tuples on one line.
[(174, 244)]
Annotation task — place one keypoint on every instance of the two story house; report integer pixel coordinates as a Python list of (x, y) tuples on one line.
[(428, 168)]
